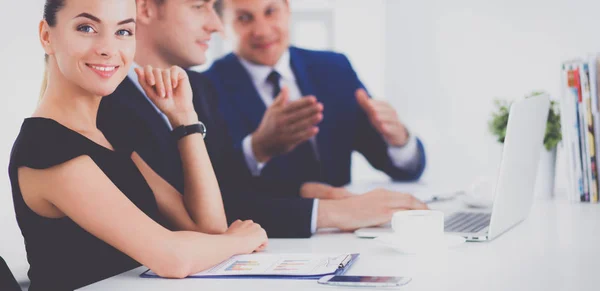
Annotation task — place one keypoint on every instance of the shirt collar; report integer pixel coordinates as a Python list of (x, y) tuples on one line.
[(133, 76), (259, 73)]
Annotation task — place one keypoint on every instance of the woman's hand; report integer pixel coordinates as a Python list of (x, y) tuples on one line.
[(250, 235), (170, 90)]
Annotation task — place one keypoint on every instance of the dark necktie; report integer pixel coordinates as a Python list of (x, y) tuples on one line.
[(274, 79), (304, 158)]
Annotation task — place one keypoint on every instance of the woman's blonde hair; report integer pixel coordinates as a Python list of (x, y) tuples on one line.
[(45, 78)]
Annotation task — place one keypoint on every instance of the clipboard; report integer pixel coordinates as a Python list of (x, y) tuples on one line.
[(275, 266)]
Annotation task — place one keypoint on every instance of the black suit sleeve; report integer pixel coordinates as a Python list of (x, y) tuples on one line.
[(247, 197), (275, 205)]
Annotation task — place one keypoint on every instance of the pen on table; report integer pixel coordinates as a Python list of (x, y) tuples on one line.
[(441, 198), (345, 261)]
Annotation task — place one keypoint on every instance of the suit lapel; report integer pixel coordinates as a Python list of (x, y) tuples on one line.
[(134, 99), (242, 91), (300, 70), (203, 101)]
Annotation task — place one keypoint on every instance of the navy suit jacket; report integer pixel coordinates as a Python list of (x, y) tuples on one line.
[(345, 128), (127, 117)]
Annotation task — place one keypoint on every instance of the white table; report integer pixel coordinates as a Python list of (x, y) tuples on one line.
[(556, 248)]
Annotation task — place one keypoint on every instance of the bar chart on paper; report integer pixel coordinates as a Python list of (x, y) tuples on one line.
[(242, 266), (239, 265), (291, 265)]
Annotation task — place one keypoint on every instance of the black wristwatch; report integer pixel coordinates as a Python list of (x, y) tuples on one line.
[(186, 130)]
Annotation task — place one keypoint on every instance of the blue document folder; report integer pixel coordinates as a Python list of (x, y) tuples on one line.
[(276, 266)]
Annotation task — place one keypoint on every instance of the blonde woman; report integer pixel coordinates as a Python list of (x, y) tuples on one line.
[(90, 209)]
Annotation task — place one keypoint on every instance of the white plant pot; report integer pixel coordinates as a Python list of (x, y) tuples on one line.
[(544, 183)]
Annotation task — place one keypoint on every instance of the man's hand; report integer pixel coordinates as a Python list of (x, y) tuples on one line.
[(384, 119), (371, 209), (313, 190), (285, 125)]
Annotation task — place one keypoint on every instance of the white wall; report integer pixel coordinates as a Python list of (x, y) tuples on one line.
[(361, 37), (21, 59), (447, 60)]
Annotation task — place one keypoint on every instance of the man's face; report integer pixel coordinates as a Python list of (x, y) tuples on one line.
[(259, 28), (182, 29)]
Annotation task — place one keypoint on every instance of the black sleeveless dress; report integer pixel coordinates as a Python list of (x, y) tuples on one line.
[(61, 254)]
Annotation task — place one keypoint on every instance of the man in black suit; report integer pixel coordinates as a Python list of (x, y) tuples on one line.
[(172, 33)]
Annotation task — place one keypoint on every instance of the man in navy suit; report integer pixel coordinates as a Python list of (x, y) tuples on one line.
[(297, 115), (173, 32)]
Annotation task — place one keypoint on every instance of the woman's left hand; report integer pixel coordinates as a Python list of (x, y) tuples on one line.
[(170, 90)]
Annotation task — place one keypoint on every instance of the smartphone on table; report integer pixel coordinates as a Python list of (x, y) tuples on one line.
[(364, 281)]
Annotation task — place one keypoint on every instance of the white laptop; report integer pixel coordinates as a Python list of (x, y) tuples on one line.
[(516, 177)]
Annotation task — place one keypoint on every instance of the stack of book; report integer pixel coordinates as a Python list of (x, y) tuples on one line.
[(581, 127)]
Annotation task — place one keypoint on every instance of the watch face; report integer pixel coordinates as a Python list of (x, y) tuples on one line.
[(203, 129)]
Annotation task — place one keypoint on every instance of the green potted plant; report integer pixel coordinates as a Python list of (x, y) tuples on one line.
[(547, 167)]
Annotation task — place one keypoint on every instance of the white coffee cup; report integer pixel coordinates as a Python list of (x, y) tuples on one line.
[(419, 230)]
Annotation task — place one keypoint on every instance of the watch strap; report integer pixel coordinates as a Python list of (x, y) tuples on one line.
[(186, 130)]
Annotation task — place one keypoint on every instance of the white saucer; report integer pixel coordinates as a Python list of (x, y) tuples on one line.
[(413, 246), (373, 232)]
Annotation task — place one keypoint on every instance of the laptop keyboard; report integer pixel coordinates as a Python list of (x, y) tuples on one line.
[(470, 222)]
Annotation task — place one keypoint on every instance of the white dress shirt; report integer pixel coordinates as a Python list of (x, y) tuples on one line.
[(402, 157)]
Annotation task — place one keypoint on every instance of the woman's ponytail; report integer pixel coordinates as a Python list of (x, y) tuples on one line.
[(50, 9)]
